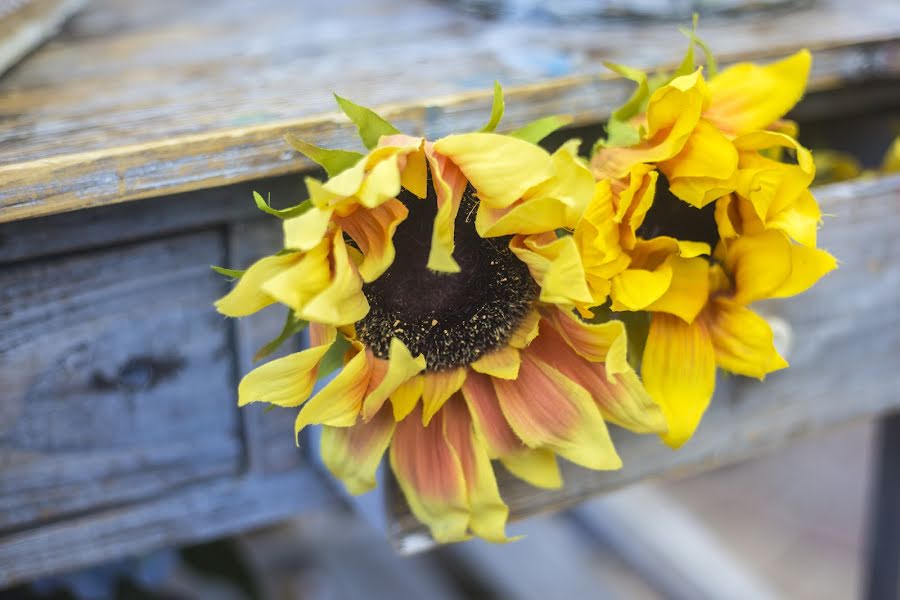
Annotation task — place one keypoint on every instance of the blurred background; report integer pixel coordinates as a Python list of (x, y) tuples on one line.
[(125, 470)]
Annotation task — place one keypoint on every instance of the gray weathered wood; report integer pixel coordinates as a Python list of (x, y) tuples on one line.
[(140, 101), (116, 383), (845, 336)]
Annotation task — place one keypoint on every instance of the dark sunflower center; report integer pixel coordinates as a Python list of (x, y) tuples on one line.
[(672, 216), (451, 318)]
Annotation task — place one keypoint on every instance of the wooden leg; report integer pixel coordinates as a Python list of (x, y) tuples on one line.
[(883, 567)]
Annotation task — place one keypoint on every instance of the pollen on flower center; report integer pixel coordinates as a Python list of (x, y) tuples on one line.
[(673, 217), (451, 318)]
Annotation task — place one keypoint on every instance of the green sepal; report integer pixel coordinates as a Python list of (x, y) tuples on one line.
[(537, 130), (688, 65), (639, 98), (292, 326), (230, 273), (334, 358), (270, 408), (496, 110), (370, 124), (333, 161), (285, 213)]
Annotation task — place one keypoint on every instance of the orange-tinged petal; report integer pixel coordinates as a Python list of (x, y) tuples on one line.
[(526, 331), (536, 466), (596, 342), (407, 395), (353, 454), (449, 185), (503, 363), (547, 409), (373, 231), (499, 167), (286, 381), (431, 477), (248, 296), (747, 97), (342, 301), (437, 389), (679, 372), (620, 397), (488, 512), (743, 340), (400, 367), (496, 434), (338, 404)]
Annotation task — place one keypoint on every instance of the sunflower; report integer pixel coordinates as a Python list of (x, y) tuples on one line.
[(443, 279), (706, 192)]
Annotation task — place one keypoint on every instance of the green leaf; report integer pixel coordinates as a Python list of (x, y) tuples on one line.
[(292, 326), (496, 110), (285, 213), (230, 273), (370, 124), (333, 161), (712, 67), (537, 130), (270, 408), (334, 358), (639, 98)]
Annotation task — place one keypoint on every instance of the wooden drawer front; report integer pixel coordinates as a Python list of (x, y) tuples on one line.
[(116, 381)]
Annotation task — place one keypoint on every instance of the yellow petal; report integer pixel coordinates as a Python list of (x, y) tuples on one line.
[(556, 265), (353, 454), (503, 363), (431, 477), (373, 231), (499, 167), (743, 340), (527, 216), (537, 467), (760, 264), (746, 97), (248, 295), (572, 184), (286, 381), (449, 185), (415, 174), (342, 300), (338, 404), (406, 396), (636, 289), (808, 265), (706, 153), (688, 289), (488, 512), (306, 231), (526, 331), (596, 342), (437, 389), (401, 366), (679, 372)]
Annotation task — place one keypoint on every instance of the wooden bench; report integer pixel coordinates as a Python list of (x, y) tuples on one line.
[(119, 430)]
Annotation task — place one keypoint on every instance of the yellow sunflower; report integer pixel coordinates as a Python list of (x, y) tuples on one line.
[(442, 279), (694, 188)]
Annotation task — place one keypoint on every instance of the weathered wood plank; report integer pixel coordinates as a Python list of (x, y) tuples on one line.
[(845, 349), (140, 102), (116, 381), (190, 514)]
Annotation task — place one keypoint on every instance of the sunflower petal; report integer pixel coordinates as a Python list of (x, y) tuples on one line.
[(449, 185), (555, 264), (406, 396), (342, 300), (496, 434), (338, 404), (437, 389), (431, 477), (679, 372), (248, 296), (373, 231), (353, 454), (503, 363), (743, 340), (401, 366), (535, 466)]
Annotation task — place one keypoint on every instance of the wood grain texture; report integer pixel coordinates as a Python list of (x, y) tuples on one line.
[(845, 351), (116, 382), (190, 514), (24, 24), (137, 101)]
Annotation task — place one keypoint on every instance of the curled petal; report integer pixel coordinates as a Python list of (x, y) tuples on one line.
[(688, 291), (286, 381), (526, 331), (437, 389), (373, 231), (342, 300), (431, 477), (449, 185), (499, 167), (679, 372), (556, 266), (248, 295), (742, 339), (406, 396), (353, 454), (306, 231), (596, 342), (503, 363), (548, 410), (708, 161)]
